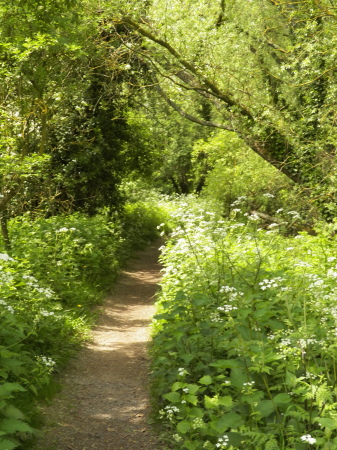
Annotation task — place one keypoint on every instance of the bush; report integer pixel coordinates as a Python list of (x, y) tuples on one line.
[(245, 336), (235, 172)]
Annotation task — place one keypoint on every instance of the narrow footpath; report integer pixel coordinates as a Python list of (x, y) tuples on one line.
[(104, 401)]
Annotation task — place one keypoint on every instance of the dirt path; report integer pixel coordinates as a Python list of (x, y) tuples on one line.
[(104, 402)]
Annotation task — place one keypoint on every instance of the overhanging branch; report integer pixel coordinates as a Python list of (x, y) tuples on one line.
[(188, 116), (213, 89)]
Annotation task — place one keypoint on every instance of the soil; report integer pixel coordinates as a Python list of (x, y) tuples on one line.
[(104, 400)]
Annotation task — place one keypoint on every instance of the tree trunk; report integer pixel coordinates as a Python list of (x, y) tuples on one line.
[(4, 231)]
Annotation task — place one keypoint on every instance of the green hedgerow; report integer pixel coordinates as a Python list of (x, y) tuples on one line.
[(245, 336)]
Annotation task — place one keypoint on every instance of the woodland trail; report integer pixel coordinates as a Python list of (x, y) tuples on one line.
[(104, 401)]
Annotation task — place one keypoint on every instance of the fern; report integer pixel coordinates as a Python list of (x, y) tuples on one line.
[(272, 445)]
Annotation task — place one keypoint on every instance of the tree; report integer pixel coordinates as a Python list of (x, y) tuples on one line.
[(169, 147), (266, 68), (63, 124), (36, 41)]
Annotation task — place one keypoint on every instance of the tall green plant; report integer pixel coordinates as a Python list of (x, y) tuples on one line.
[(245, 336)]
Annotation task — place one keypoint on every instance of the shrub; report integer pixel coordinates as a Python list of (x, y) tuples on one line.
[(245, 336)]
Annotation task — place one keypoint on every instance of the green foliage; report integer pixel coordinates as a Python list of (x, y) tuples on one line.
[(234, 171), (168, 144), (58, 269), (263, 69), (61, 96), (243, 182), (245, 335)]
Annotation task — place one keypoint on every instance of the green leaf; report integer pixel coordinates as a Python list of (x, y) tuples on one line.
[(226, 364), (192, 399), (187, 357), (226, 401), (245, 332), (173, 397), (200, 300), (12, 411), (178, 385), (7, 388), (230, 420), (282, 398), (290, 379), (265, 408), (238, 377), (12, 425), (8, 445), (183, 427), (234, 439), (327, 422), (196, 412), (192, 388), (205, 380), (190, 445), (211, 403)]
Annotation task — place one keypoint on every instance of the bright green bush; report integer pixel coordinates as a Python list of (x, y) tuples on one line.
[(73, 254), (245, 336), (233, 171), (58, 269)]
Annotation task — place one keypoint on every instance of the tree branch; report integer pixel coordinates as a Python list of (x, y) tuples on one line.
[(187, 65), (188, 116)]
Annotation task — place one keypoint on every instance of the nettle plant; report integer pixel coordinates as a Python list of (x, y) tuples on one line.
[(245, 336)]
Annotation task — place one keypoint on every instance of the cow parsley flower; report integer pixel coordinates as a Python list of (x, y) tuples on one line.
[(45, 313), (222, 442), (181, 371), (48, 362), (307, 438)]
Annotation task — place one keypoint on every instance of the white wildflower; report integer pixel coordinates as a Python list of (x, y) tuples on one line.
[(307, 438), (222, 442), (47, 361), (45, 313), (249, 383), (5, 257), (197, 423)]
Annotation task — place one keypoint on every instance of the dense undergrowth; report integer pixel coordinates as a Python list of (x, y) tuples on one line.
[(57, 270), (244, 353)]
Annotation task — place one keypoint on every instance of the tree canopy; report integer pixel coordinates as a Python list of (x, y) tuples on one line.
[(75, 76), (266, 70)]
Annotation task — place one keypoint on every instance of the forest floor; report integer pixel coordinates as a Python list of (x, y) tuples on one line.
[(104, 400)]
